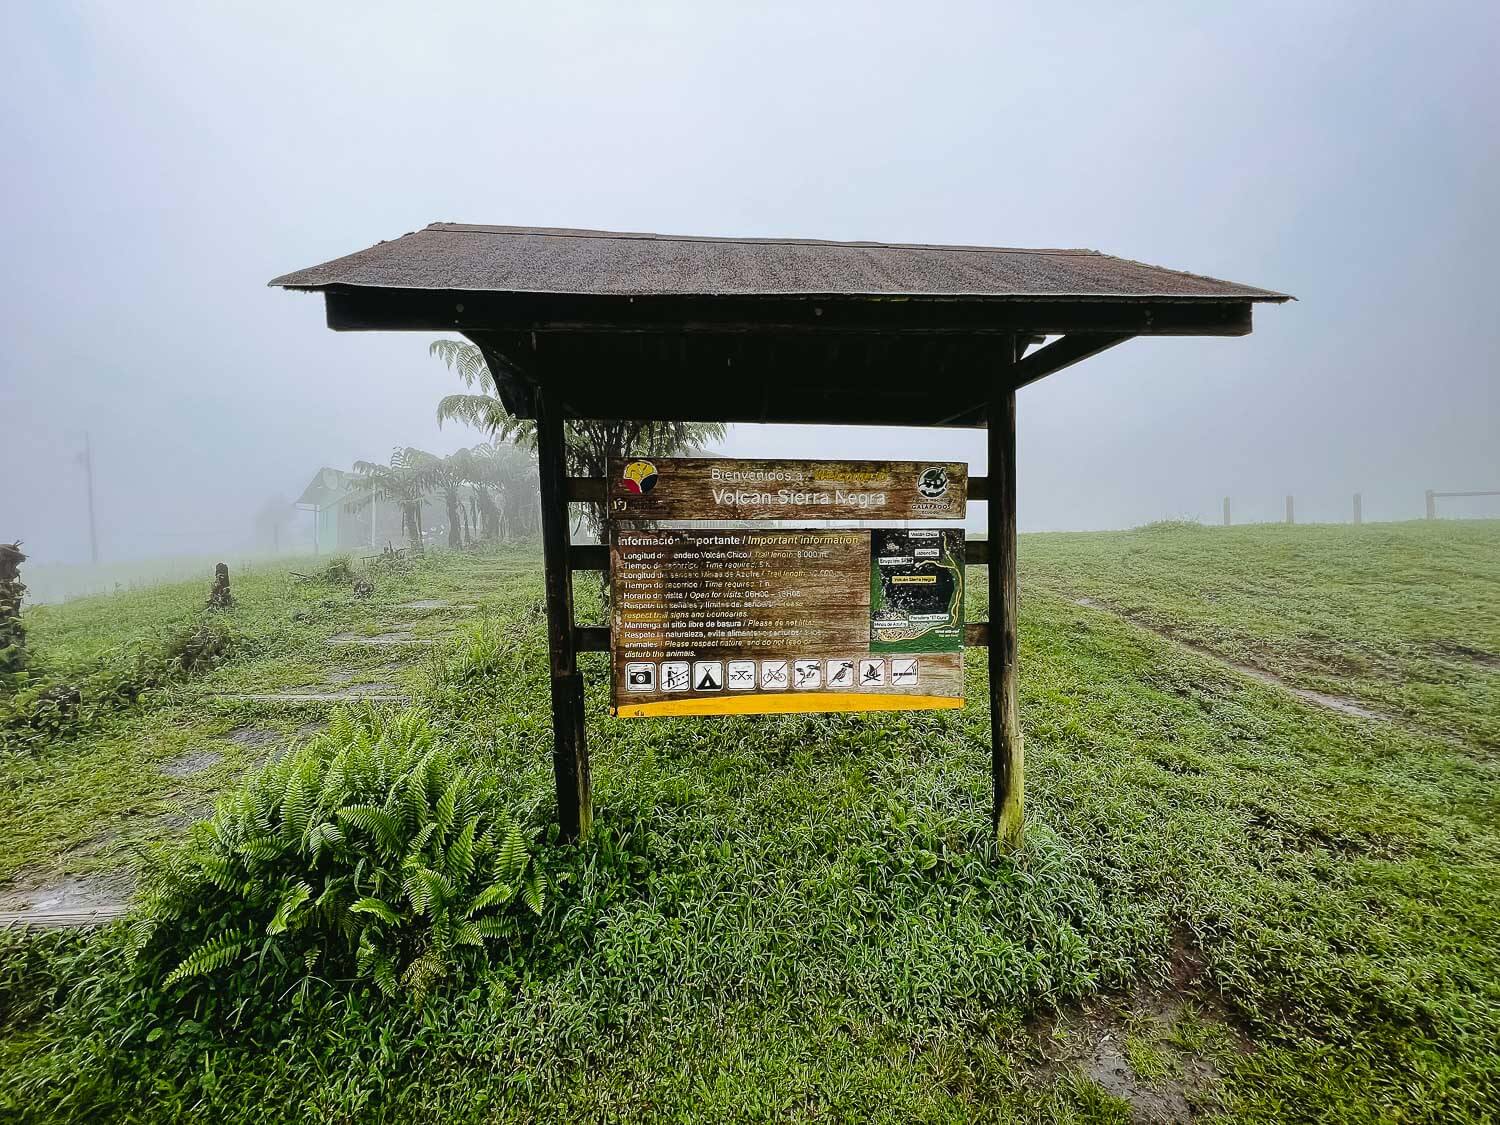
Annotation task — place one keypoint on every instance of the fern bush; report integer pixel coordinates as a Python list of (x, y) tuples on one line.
[(368, 853)]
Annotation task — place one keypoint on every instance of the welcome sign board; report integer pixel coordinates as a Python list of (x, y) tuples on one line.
[(710, 488)]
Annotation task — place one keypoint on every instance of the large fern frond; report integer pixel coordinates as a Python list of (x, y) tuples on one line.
[(376, 822), (532, 892), (494, 895), (479, 411), (281, 921), (209, 957), (512, 858), (376, 908), (461, 852)]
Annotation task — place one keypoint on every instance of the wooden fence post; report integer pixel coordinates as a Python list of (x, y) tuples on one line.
[(1359, 515), (1431, 505), (570, 755), (1007, 758), (1226, 511), (1289, 516)]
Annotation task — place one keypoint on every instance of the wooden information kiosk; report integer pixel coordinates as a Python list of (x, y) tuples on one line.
[(578, 325)]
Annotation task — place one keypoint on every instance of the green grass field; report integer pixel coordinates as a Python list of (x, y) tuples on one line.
[(1232, 903)]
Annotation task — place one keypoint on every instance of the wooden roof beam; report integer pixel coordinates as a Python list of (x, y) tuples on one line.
[(1071, 349), (1062, 353), (436, 310)]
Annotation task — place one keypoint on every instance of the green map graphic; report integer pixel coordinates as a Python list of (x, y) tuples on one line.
[(916, 590)]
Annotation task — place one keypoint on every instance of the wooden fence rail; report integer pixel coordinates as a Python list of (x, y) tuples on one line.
[(1434, 497), (1358, 507)]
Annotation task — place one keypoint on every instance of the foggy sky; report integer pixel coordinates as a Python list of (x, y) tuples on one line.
[(162, 165)]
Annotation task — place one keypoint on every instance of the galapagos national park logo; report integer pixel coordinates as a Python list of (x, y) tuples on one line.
[(933, 483), (640, 477)]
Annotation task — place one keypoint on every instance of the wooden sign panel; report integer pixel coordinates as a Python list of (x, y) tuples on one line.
[(737, 622), (709, 488)]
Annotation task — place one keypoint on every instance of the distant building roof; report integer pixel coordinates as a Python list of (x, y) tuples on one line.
[(326, 487), (463, 256)]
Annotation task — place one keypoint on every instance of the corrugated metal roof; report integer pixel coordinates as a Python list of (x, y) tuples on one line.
[(462, 256)]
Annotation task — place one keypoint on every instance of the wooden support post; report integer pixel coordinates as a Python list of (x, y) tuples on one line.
[(1290, 518), (570, 755), (1007, 762), (1431, 504), (1359, 514), (1226, 511)]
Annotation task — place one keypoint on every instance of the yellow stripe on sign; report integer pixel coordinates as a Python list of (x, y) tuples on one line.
[(794, 703)]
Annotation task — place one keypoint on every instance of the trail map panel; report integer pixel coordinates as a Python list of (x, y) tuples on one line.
[(769, 621), (711, 488)]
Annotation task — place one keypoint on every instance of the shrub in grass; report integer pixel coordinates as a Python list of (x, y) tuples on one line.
[(45, 705), (13, 655), (367, 854), (338, 572), (496, 660), (480, 650), (196, 648), (1169, 527)]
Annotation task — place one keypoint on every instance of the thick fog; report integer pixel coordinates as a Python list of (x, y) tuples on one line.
[(163, 163)]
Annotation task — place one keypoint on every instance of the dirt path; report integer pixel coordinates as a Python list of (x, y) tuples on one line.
[(90, 900), (1342, 704)]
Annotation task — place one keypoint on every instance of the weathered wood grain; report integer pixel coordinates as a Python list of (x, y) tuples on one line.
[(1007, 760), (706, 488), (570, 755)]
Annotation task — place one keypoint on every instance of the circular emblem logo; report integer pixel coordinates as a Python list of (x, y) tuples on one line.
[(640, 477), (933, 482)]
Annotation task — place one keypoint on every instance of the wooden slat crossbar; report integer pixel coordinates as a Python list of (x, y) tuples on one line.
[(595, 556), (583, 490), (595, 638)]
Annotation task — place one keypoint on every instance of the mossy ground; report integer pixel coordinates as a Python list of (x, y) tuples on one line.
[(804, 916)]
